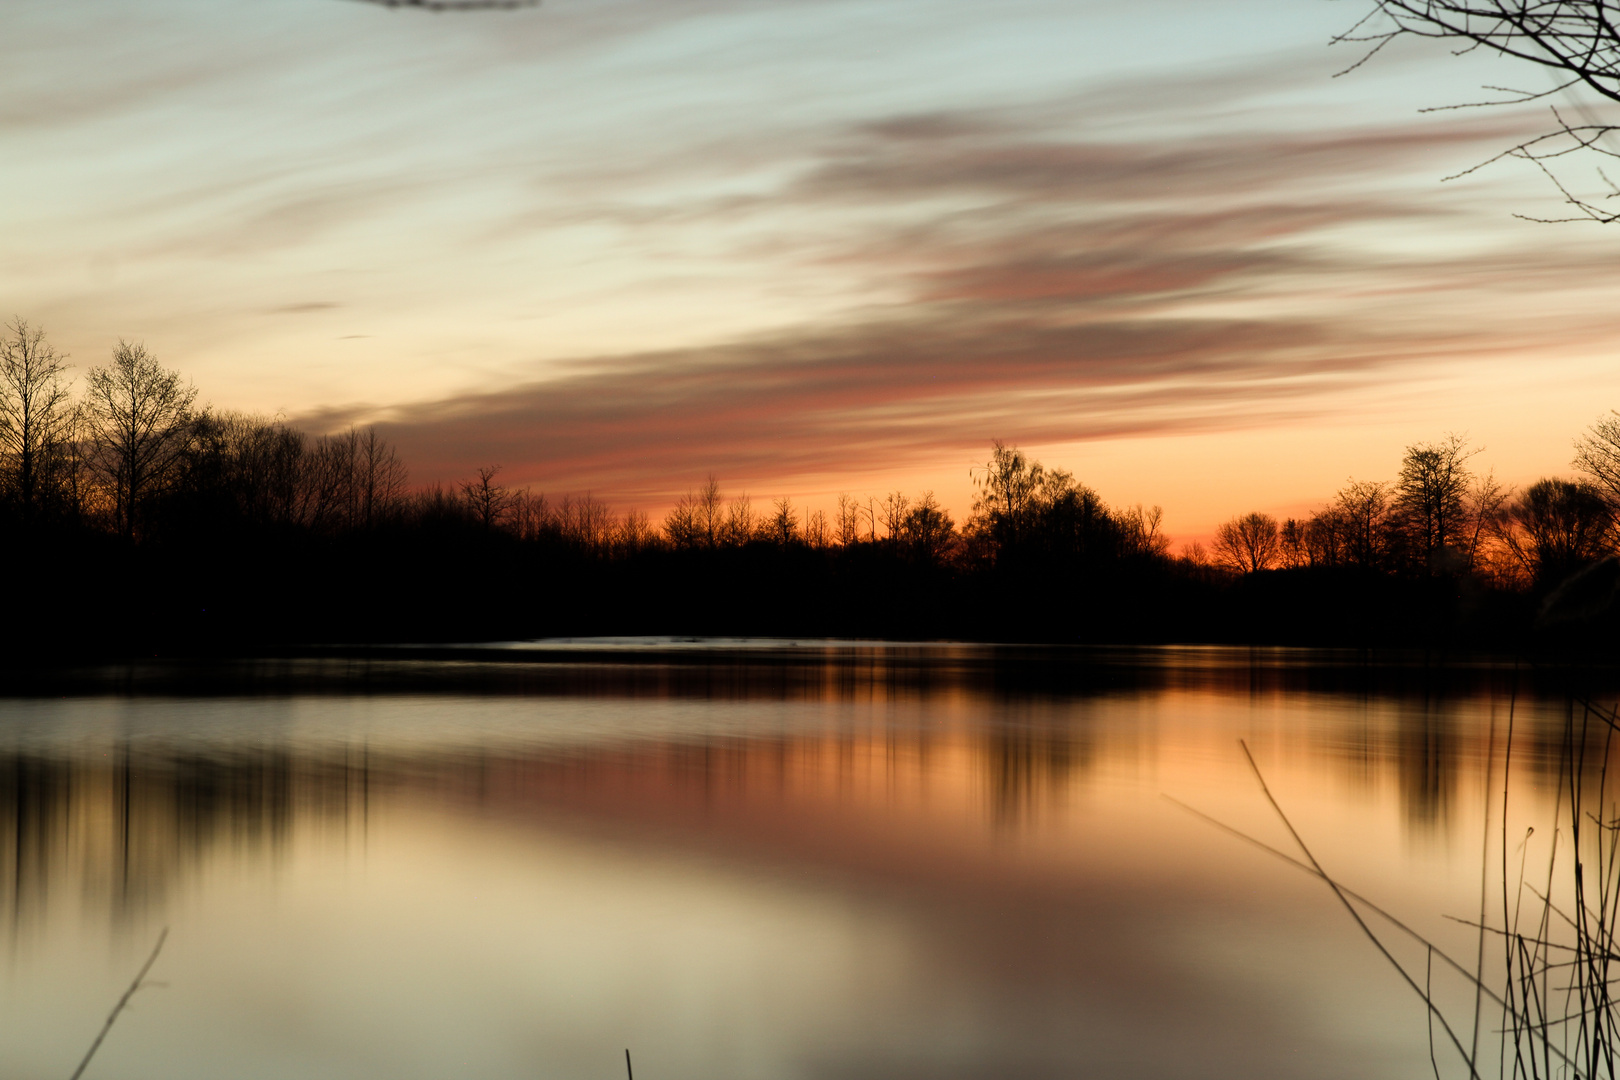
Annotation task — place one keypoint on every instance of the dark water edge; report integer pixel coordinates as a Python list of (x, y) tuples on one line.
[(197, 594), (796, 667)]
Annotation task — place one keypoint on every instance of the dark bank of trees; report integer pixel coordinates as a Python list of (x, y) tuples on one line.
[(1443, 551), (133, 519), (1439, 520)]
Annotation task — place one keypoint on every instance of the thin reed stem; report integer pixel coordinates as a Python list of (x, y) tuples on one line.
[(137, 984)]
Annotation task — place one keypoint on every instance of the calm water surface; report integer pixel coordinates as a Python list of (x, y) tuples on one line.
[(764, 862)]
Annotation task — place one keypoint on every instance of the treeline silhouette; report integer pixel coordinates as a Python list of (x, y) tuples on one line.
[(133, 520), (1448, 551)]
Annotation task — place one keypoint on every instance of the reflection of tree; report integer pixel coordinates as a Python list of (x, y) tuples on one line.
[(1420, 741), (1028, 763), (124, 826), (1426, 758), (884, 759), (31, 798)]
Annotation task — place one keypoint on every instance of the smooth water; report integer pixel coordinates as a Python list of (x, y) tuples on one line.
[(746, 861)]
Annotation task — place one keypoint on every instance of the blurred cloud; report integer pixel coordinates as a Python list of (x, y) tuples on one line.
[(305, 308), (619, 244), (1080, 291)]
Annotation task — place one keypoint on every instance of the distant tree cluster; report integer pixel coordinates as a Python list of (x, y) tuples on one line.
[(204, 528), (1440, 518), (134, 456), (707, 520)]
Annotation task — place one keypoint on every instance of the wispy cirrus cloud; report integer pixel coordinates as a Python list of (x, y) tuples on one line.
[(1033, 286)]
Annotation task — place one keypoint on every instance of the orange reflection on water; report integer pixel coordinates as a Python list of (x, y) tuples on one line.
[(810, 869)]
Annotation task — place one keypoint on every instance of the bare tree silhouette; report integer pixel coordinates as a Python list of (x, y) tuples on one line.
[(1597, 456), (140, 424), (1142, 530), (817, 532), (1431, 499), (893, 510), (488, 500), (741, 523), (697, 520), (847, 525), (379, 478), (634, 534), (35, 411), (1007, 486), (927, 528), (1557, 527), (1293, 547), (1248, 543), (783, 525), (585, 522), (1360, 516)]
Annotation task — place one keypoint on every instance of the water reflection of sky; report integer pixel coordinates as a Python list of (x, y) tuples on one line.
[(852, 862)]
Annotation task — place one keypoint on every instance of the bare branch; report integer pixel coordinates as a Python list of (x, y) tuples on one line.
[(134, 987), (1575, 39)]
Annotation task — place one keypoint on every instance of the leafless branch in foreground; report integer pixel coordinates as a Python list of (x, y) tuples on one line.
[(1554, 984), (1577, 41), (137, 984)]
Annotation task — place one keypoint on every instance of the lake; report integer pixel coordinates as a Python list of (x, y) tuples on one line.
[(753, 859)]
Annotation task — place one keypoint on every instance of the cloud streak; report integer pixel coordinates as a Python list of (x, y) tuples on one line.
[(676, 238), (1049, 290)]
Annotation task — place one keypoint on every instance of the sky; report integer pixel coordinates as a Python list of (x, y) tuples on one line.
[(811, 247)]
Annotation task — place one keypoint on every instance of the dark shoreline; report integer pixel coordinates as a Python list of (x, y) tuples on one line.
[(788, 668)]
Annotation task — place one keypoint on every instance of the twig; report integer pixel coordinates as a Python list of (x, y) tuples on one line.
[(1382, 913), (1484, 890), (140, 977), (1356, 915), (1428, 995)]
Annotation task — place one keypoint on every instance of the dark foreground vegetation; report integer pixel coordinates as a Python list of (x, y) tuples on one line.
[(132, 520)]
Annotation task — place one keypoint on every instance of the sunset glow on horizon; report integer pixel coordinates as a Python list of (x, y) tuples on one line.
[(620, 245)]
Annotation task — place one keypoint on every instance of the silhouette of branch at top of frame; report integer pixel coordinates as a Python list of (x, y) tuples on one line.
[(1576, 41)]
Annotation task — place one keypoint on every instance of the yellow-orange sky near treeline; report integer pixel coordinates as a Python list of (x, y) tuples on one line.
[(618, 245)]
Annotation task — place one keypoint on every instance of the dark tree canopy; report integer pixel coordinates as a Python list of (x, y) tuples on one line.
[(1563, 526), (140, 421), (36, 413), (1248, 543), (1431, 495)]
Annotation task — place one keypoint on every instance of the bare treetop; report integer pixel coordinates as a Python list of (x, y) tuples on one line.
[(140, 417), (35, 411)]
